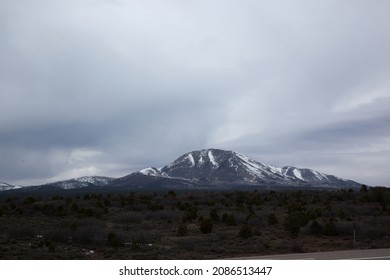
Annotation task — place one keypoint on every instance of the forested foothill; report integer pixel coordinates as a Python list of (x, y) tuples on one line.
[(190, 224)]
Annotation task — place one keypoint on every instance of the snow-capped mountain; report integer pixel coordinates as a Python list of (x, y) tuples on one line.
[(82, 182), (7, 187), (210, 168), (220, 167)]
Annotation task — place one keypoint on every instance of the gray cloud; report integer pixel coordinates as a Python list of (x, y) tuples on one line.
[(107, 87)]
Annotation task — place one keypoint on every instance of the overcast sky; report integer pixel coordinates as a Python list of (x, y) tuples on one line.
[(99, 87)]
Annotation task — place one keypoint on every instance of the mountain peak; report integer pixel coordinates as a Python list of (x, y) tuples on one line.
[(206, 168), (216, 166), (200, 158)]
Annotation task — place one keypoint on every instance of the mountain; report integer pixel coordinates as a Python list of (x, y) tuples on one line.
[(221, 168), (7, 187), (76, 183), (139, 180), (209, 168)]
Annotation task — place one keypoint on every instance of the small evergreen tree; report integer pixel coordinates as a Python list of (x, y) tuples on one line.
[(364, 188), (214, 215)]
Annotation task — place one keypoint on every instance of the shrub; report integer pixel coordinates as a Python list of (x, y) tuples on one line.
[(245, 231), (128, 218), (48, 209), (190, 214), (92, 233), (315, 228), (155, 206), (364, 188), (140, 237), (224, 217), (297, 248), (206, 225), (166, 215), (29, 200), (58, 235), (330, 228), (51, 247), (214, 215), (23, 231), (114, 240), (230, 220), (292, 225), (272, 219), (182, 229), (171, 193), (189, 244), (377, 227)]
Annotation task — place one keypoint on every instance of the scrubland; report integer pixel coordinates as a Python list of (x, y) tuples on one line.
[(190, 224)]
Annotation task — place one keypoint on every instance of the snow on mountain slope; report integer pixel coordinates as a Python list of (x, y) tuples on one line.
[(7, 187), (220, 166), (152, 171), (82, 182), (201, 168)]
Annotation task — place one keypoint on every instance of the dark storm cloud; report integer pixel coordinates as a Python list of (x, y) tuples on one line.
[(107, 87)]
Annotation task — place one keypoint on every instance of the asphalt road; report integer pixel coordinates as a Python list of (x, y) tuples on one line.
[(372, 254)]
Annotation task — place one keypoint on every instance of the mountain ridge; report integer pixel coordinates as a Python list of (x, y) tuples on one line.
[(207, 168), (215, 166), (7, 187), (81, 182)]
